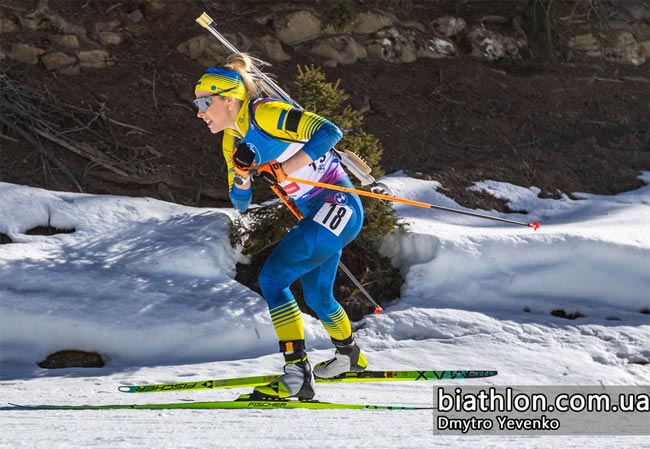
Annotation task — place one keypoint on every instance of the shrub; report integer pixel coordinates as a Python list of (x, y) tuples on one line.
[(337, 13)]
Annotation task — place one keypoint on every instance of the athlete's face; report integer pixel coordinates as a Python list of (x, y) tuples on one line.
[(214, 110)]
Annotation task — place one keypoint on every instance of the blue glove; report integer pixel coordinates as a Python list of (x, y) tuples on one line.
[(240, 199)]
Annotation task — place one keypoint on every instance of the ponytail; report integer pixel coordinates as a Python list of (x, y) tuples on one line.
[(243, 64)]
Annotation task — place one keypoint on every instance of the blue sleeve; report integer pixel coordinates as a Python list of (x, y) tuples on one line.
[(325, 137), (240, 198), (290, 124)]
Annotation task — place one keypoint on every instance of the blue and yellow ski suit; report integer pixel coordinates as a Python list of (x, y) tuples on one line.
[(311, 251)]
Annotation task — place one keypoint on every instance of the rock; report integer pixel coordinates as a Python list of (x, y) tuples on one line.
[(214, 55), (342, 49), (99, 27), (407, 45), (414, 25), (241, 41), (206, 53), (67, 40), (266, 19), (625, 49), (57, 60), (8, 26), (107, 38), (25, 53), (297, 27), (438, 48), (273, 49), (448, 26), (135, 16), (371, 22), (644, 47), (72, 359), (391, 45), (500, 20), (491, 45), (71, 70), (193, 48), (34, 22), (587, 44), (94, 59), (641, 30)]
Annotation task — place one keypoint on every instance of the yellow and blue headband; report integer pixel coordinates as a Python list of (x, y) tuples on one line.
[(225, 82)]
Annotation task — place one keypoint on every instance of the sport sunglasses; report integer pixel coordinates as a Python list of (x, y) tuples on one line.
[(203, 103)]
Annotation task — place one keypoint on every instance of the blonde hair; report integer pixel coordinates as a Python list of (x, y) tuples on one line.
[(243, 64)]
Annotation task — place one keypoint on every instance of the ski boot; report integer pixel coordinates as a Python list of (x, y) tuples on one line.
[(297, 380), (348, 357)]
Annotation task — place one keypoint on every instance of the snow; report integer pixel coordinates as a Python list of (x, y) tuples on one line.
[(150, 285)]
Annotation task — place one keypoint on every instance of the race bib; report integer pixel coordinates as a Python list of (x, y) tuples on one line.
[(334, 217)]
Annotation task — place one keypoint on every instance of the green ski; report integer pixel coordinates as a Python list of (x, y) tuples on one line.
[(363, 376), (243, 402)]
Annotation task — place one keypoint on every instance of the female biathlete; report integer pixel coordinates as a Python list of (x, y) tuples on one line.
[(271, 139)]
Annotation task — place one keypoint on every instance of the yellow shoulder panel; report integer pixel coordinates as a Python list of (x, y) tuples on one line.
[(285, 122)]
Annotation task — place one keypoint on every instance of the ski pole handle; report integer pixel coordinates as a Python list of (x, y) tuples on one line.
[(267, 83), (204, 20)]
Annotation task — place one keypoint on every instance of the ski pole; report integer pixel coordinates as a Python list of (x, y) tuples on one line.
[(535, 225), (280, 193)]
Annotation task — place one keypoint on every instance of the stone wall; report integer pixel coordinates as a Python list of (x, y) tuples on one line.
[(379, 34), (374, 34), (69, 47)]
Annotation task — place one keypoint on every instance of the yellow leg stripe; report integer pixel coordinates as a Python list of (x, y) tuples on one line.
[(287, 321), (340, 327), (280, 323), (285, 314), (289, 331), (338, 315), (284, 308)]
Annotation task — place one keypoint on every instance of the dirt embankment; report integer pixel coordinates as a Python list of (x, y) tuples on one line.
[(558, 125)]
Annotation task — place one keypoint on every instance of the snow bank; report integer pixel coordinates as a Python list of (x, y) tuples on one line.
[(590, 255), (147, 282)]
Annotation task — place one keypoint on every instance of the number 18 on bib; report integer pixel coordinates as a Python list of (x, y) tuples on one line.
[(334, 217)]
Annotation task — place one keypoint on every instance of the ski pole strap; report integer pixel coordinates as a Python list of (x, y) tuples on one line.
[(535, 225)]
